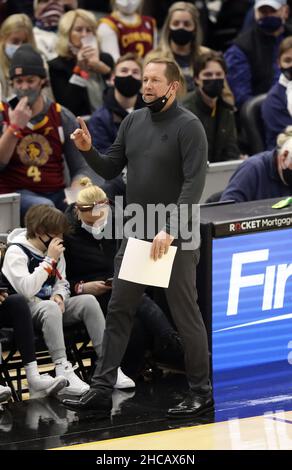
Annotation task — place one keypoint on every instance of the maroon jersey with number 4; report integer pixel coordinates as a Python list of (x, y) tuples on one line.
[(37, 162)]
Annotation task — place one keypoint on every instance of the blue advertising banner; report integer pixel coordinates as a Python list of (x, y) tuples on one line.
[(252, 299)]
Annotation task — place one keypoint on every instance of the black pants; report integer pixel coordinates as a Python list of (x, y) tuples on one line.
[(182, 300), (15, 313), (150, 327)]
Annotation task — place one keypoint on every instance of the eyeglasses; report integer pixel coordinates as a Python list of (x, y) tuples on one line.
[(88, 207)]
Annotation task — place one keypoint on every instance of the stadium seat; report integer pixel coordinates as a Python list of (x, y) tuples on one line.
[(251, 124)]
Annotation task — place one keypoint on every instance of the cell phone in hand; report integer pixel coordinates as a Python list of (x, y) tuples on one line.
[(89, 40), (3, 290), (13, 102), (109, 281)]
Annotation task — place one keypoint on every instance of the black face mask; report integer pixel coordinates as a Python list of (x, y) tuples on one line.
[(270, 24), (128, 86), (287, 73), (181, 36), (157, 105), (47, 242), (287, 175), (213, 87)]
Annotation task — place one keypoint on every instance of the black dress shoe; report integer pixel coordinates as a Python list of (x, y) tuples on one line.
[(94, 399), (193, 405)]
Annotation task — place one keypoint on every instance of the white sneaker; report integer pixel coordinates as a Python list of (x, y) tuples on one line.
[(5, 393), (43, 385), (76, 386), (123, 381)]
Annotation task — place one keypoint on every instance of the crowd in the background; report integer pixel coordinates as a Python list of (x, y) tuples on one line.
[(229, 53), (60, 59)]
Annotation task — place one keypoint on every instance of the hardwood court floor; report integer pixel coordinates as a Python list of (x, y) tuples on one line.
[(268, 432), (253, 410)]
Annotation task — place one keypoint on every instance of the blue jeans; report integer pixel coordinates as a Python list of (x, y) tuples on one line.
[(29, 198)]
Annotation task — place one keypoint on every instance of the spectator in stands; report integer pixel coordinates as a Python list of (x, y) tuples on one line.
[(90, 261), (15, 313), (265, 175), (207, 104), (119, 101), (277, 107), (47, 14), (252, 59), (181, 39), (249, 19), (126, 30), (76, 73), (37, 157), (15, 30), (34, 265), (159, 11)]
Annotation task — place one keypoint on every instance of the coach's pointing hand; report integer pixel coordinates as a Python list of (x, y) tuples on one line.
[(82, 137)]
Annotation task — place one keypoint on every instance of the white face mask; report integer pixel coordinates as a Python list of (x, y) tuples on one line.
[(10, 49), (128, 7), (96, 230)]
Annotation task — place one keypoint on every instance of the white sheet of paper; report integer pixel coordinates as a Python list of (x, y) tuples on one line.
[(137, 266)]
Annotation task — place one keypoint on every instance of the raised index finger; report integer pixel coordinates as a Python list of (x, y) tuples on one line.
[(22, 103)]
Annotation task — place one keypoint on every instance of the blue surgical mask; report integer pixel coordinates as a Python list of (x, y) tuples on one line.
[(10, 49), (270, 24)]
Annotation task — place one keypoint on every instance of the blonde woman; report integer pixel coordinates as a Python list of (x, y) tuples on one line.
[(76, 72), (126, 30), (181, 39), (15, 30)]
